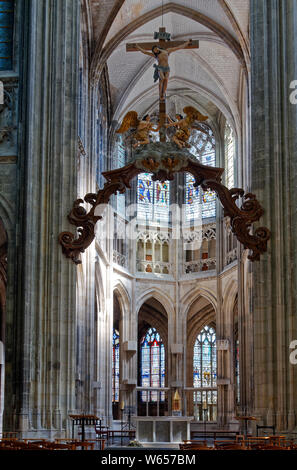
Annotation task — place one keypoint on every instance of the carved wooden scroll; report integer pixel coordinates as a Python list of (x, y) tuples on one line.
[(163, 168)]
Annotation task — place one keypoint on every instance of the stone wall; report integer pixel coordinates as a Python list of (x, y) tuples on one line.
[(274, 168), (40, 356)]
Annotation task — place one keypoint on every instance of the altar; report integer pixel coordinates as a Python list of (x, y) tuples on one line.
[(161, 431)]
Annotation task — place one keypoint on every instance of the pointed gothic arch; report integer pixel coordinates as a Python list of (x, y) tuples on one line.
[(159, 295), (101, 55), (200, 314), (153, 322)]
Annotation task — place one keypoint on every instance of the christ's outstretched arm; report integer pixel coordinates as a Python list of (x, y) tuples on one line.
[(144, 51), (182, 46)]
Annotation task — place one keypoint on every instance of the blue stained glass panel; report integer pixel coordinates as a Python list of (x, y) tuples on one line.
[(152, 358), (201, 203), (153, 198), (6, 34), (115, 366), (204, 359), (145, 195)]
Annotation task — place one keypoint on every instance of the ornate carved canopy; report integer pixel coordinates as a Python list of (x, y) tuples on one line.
[(164, 160)]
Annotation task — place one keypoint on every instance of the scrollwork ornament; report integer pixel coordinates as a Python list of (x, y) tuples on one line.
[(241, 218)]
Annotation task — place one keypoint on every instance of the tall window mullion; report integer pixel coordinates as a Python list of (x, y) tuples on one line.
[(116, 366)]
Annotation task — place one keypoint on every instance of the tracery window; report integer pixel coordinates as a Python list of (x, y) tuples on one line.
[(199, 203), (115, 366), (153, 199), (205, 363), (237, 373), (205, 372), (229, 156), (152, 364), (6, 34)]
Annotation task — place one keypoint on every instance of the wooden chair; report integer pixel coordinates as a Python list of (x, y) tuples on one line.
[(229, 445), (59, 446), (76, 443), (194, 445), (277, 440), (102, 431), (275, 447), (20, 445), (6, 447)]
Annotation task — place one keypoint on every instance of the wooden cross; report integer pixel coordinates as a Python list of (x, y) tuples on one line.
[(164, 43)]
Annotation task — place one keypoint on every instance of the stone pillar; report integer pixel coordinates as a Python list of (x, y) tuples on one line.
[(45, 324), (274, 172)]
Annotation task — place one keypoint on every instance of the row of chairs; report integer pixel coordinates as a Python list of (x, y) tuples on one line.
[(110, 434), (43, 444), (241, 443)]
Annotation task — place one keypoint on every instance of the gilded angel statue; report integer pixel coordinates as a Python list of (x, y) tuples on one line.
[(142, 128), (185, 125)]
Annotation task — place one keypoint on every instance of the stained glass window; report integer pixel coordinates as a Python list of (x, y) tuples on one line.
[(193, 200), (6, 34), (153, 198), (152, 358), (204, 359), (201, 203), (205, 374), (229, 156), (237, 374), (115, 366)]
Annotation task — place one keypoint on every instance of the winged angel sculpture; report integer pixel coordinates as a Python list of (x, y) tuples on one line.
[(142, 127), (185, 125)]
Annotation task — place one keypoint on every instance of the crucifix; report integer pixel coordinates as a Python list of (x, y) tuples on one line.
[(160, 51)]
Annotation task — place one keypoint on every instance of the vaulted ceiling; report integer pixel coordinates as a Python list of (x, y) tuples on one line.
[(210, 78)]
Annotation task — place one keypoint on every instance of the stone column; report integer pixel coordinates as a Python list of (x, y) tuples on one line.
[(274, 172), (45, 324)]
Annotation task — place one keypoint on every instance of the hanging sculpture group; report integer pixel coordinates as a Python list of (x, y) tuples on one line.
[(163, 159)]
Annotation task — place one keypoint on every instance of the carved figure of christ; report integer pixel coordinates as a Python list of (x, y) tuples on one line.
[(160, 51)]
